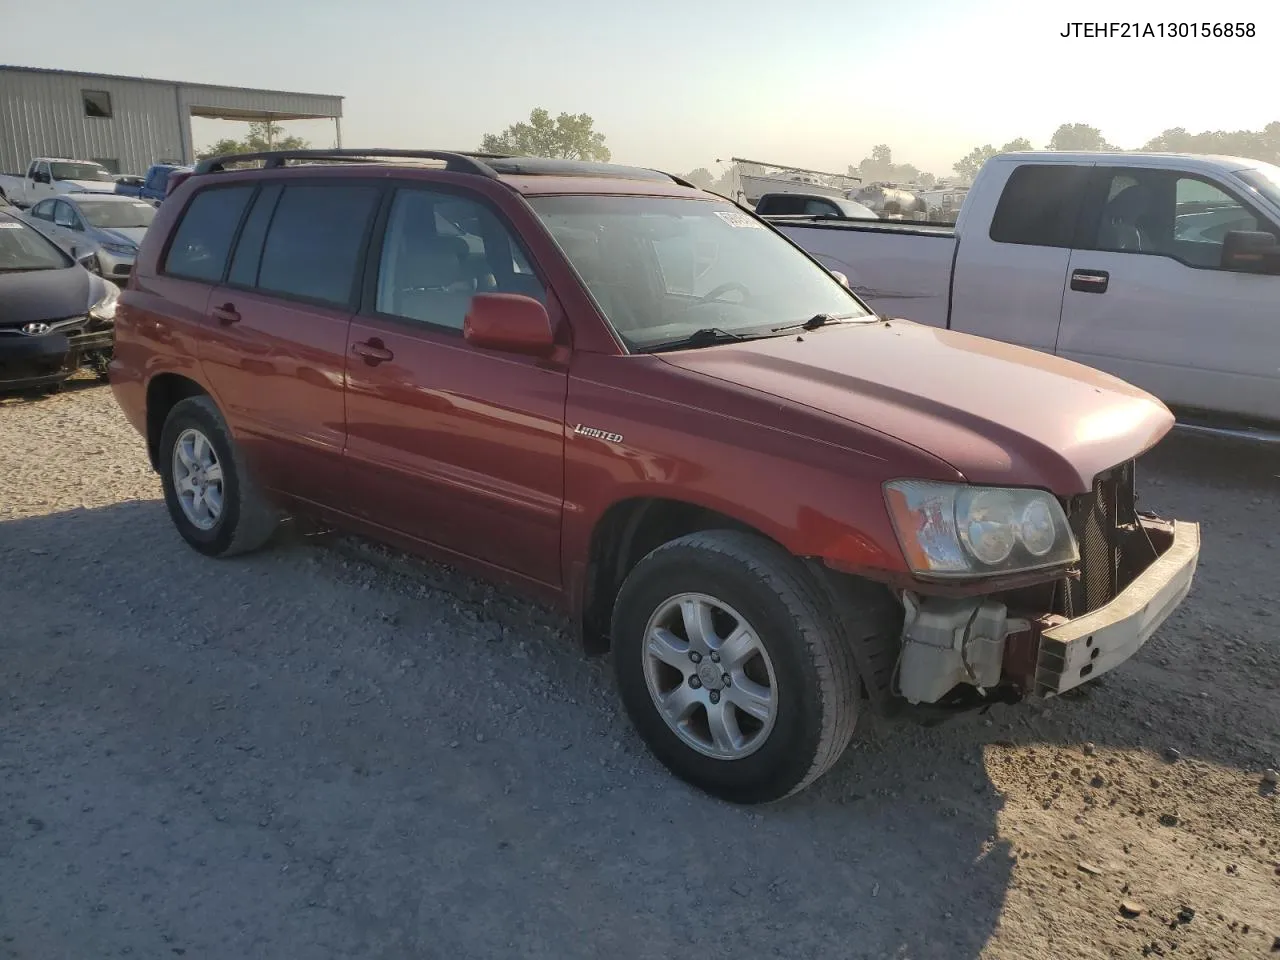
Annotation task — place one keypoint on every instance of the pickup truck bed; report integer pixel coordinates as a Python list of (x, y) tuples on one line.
[(902, 271)]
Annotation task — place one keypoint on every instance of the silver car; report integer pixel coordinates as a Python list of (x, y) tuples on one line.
[(104, 225)]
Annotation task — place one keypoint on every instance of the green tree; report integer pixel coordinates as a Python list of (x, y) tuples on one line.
[(880, 166), (701, 178), (567, 137), (967, 167), (263, 135), (1078, 136)]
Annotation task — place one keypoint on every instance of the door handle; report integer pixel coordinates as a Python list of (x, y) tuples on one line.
[(1090, 281), (373, 350), (225, 314)]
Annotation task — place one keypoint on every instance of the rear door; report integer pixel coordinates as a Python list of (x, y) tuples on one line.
[(1010, 272), (448, 443), (276, 330), (1149, 301)]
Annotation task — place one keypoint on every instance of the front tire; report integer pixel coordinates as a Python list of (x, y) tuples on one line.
[(211, 496), (731, 666)]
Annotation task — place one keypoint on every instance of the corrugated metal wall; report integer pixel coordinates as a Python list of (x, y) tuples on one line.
[(42, 115)]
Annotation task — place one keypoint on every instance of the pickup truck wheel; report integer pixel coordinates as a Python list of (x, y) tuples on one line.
[(730, 666), (211, 497)]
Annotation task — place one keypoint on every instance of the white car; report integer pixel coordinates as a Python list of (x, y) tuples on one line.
[(1162, 269)]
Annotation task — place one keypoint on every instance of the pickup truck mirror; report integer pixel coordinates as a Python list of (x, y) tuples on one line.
[(506, 321), (40, 177), (1250, 251)]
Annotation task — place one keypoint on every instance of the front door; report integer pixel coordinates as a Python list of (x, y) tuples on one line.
[(450, 444), (276, 331), (1150, 303)]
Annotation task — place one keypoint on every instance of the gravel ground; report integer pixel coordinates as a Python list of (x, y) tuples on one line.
[(327, 750)]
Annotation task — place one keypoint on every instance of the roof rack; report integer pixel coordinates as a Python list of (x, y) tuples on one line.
[(491, 165), (272, 159)]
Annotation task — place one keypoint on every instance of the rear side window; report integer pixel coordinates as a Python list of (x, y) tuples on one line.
[(244, 265), (202, 240), (313, 245), (1040, 205)]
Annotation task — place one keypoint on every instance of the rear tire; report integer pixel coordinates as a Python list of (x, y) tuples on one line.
[(705, 593), (211, 496)]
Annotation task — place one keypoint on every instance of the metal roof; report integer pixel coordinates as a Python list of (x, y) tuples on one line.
[(171, 83)]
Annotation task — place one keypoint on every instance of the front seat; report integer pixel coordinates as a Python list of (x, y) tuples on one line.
[(1124, 220), (432, 283)]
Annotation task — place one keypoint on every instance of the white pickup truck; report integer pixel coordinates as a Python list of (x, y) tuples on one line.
[(1161, 269), (53, 176)]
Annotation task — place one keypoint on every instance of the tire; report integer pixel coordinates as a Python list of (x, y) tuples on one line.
[(245, 520), (808, 668)]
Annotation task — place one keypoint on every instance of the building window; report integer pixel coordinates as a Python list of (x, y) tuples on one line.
[(97, 103)]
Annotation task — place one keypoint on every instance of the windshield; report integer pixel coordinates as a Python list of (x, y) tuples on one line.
[(79, 171), (661, 268), (113, 216), (22, 248), (1265, 178)]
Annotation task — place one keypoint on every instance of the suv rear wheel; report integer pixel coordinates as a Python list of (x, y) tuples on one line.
[(731, 667), (211, 497)]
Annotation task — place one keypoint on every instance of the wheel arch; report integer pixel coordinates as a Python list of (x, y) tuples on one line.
[(624, 534), (164, 392)]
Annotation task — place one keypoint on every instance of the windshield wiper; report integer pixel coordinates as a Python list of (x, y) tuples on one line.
[(699, 338), (814, 322)]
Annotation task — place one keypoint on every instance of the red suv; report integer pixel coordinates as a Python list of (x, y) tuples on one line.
[(640, 401)]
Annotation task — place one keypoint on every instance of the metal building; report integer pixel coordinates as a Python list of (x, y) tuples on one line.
[(128, 123)]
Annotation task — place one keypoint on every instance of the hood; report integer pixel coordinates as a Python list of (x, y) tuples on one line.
[(999, 414), (90, 186), (132, 235), (43, 295)]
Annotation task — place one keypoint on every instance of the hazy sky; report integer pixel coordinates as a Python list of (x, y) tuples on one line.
[(677, 85)]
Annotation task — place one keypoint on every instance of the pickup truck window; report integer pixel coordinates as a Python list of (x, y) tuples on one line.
[(1161, 212), (1040, 205), (1265, 178), (439, 250), (661, 268), (315, 241), (203, 237), (78, 171)]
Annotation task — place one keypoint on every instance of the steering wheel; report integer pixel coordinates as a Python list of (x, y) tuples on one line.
[(717, 293)]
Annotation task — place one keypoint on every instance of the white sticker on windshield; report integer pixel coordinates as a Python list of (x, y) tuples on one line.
[(9, 225), (735, 218)]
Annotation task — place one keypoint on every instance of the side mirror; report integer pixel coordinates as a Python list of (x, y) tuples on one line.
[(87, 260), (1250, 251), (841, 277), (507, 321)]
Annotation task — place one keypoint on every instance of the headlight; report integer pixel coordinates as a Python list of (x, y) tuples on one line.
[(956, 530), (105, 309), (120, 249)]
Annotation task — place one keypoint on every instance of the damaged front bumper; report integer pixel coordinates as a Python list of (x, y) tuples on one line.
[(998, 649)]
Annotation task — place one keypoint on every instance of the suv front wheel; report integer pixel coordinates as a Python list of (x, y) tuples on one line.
[(211, 497), (731, 667)]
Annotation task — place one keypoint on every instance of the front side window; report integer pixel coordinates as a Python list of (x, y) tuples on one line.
[(64, 216), (663, 268), (313, 245), (23, 249), (439, 251), (1040, 205), (1265, 178), (1169, 214), (202, 240)]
